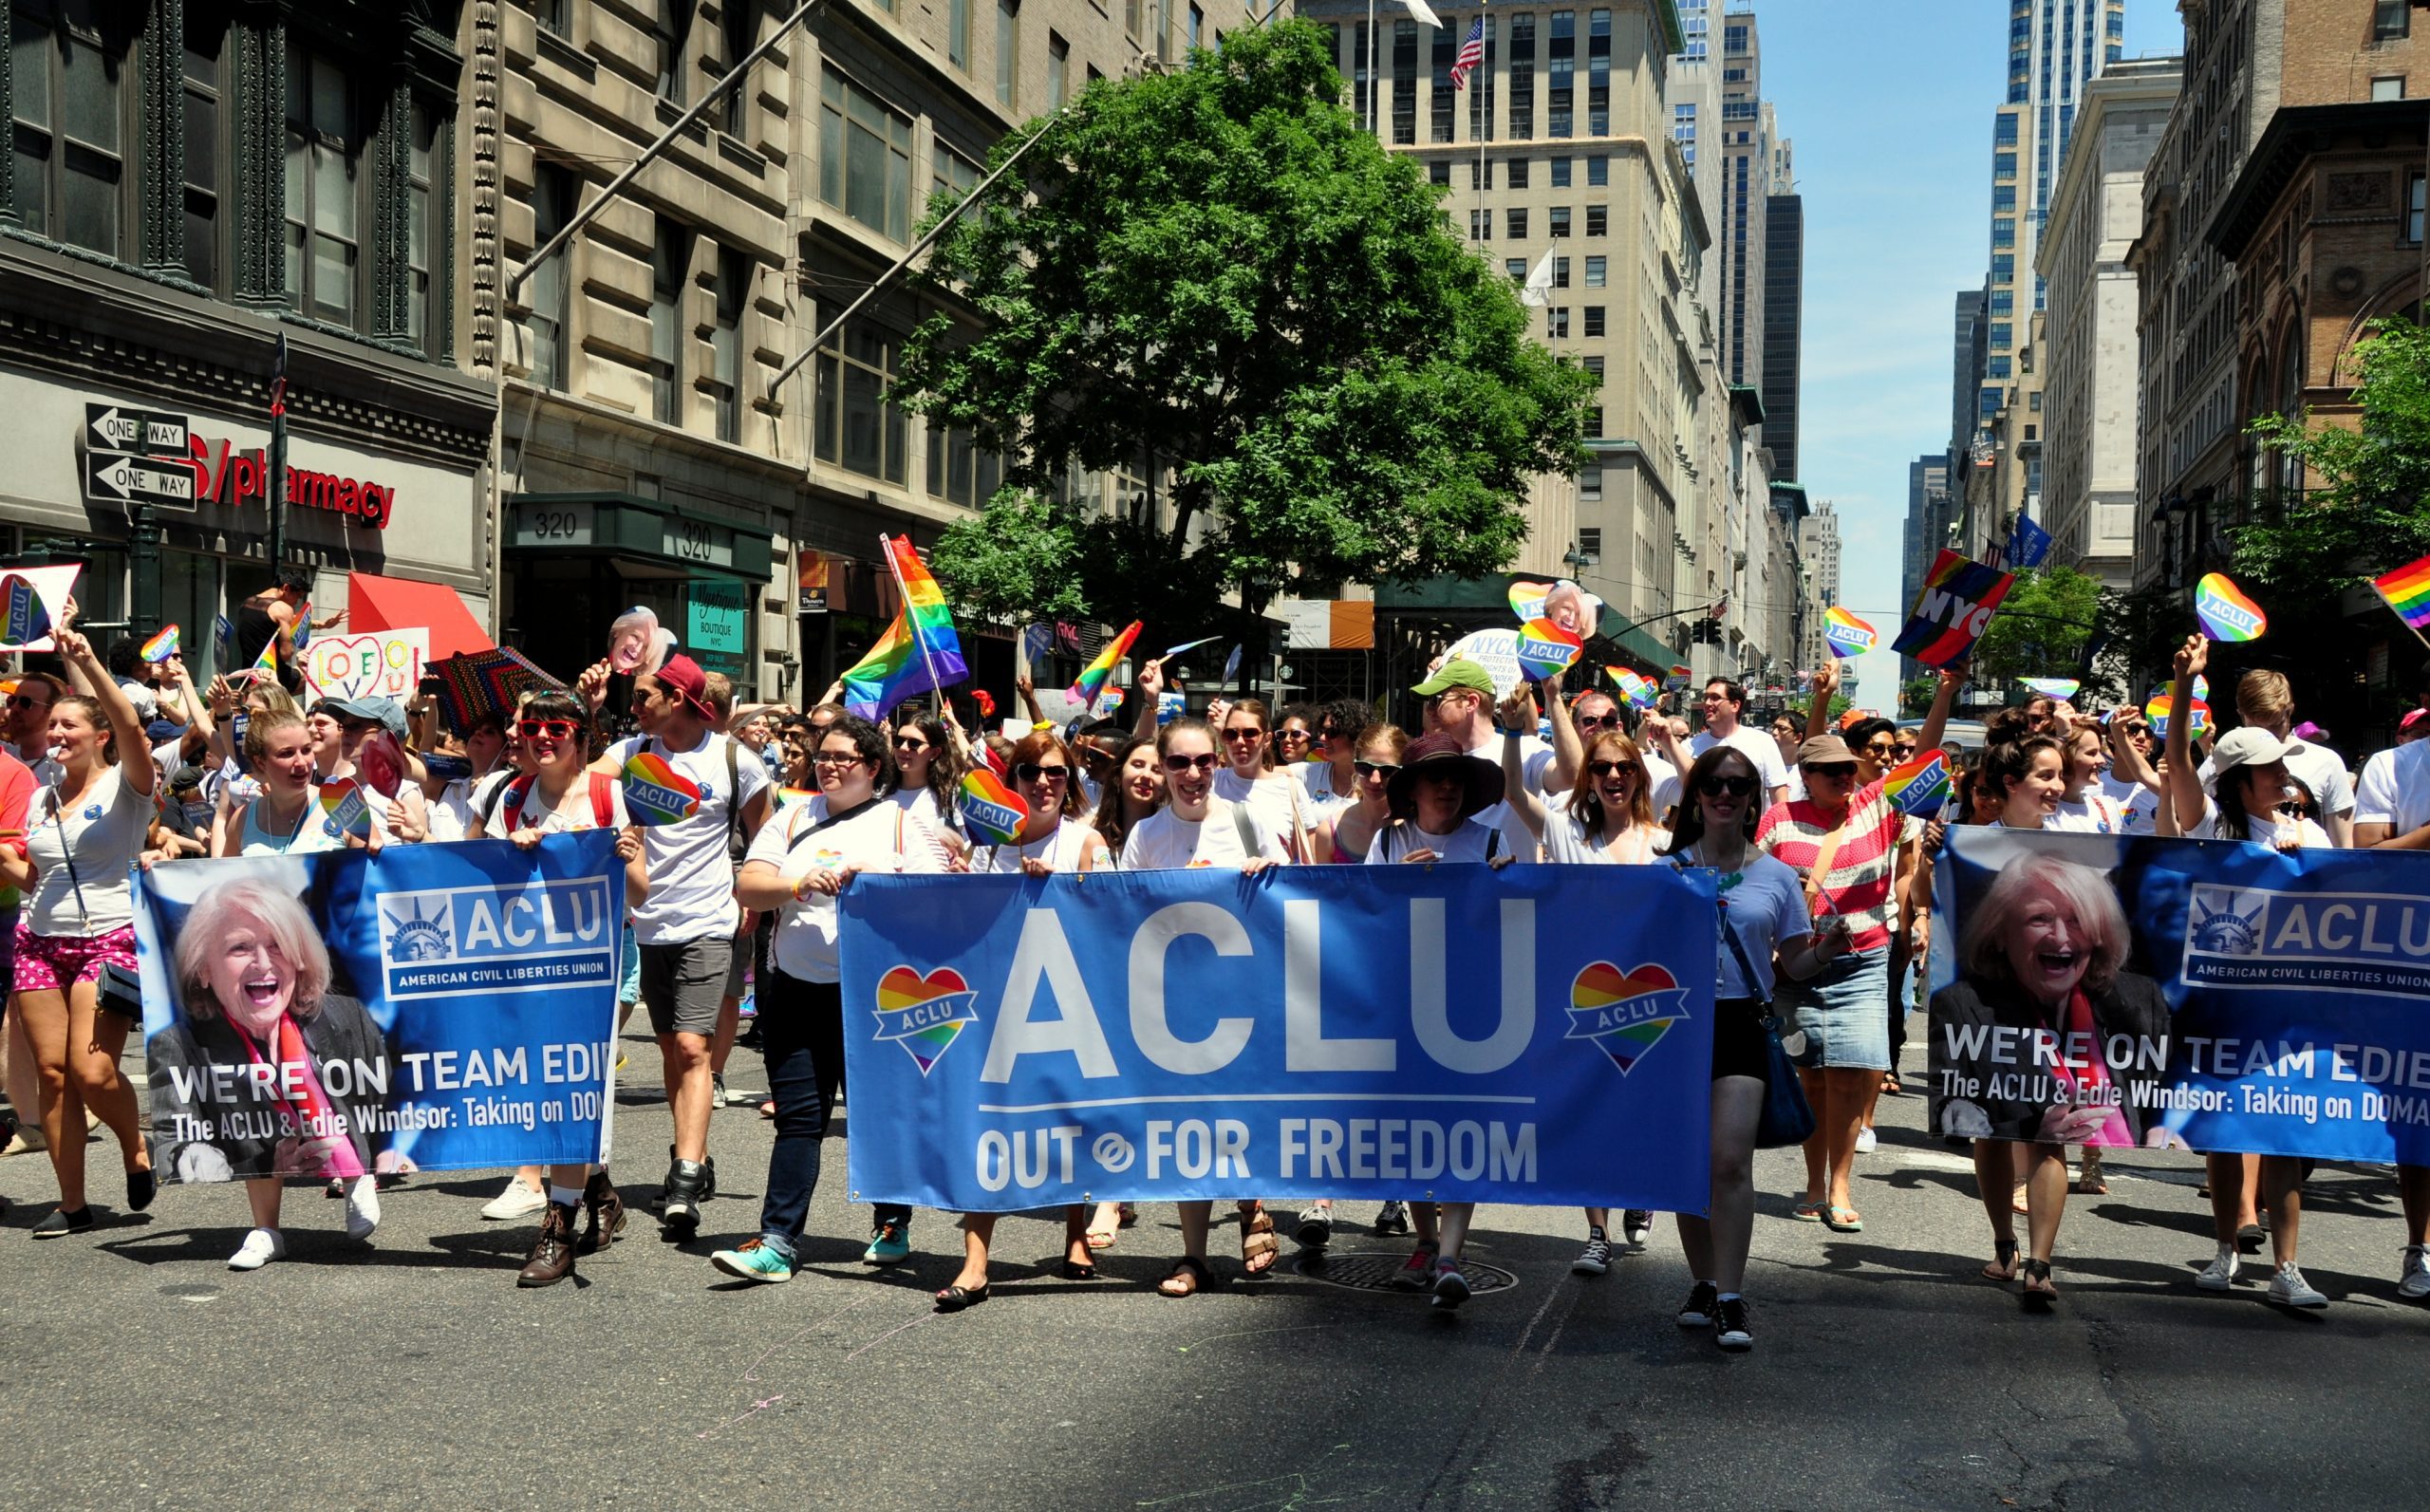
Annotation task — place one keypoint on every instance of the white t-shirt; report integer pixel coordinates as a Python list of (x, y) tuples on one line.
[(1319, 801), (1472, 841), (2140, 804), (1568, 843), (1268, 798), (1665, 792), (884, 837), (573, 813), (2395, 790), (1535, 764), (145, 699), (1061, 851), (920, 803), (691, 877), (1163, 841), (2319, 769), (1759, 748), (2263, 827), (106, 832), (2096, 813)]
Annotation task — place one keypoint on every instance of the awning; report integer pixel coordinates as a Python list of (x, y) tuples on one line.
[(376, 603)]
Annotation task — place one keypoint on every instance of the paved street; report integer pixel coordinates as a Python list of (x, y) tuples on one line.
[(141, 1371)]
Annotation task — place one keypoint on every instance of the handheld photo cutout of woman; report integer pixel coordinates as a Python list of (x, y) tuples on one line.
[(2044, 1036), (260, 1067)]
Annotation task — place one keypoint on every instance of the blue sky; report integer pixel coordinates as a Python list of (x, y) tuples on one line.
[(1889, 104)]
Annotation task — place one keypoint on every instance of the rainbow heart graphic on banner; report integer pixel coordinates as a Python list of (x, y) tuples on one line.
[(345, 809), (2225, 612), (1918, 786), (994, 811), (1639, 693), (923, 1014), (2161, 706), (1545, 648), (656, 793), (26, 620), (2060, 688), (1845, 634), (162, 646), (1624, 1013)]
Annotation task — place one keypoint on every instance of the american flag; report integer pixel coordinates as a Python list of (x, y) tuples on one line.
[(1471, 54)]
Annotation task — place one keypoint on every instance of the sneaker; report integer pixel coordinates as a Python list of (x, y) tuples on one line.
[(679, 1205), (1451, 1287), (1699, 1309), (1636, 1225), (27, 1140), (362, 1206), (1315, 1228), (754, 1261), (61, 1223), (260, 1248), (1416, 1273), (1865, 1141), (1596, 1257), (517, 1201), (890, 1244), (1730, 1328), (1393, 1220), (2289, 1289), (717, 1091), (2413, 1276), (2221, 1275), (553, 1252)]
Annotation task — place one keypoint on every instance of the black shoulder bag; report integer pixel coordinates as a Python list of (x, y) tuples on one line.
[(1787, 1118)]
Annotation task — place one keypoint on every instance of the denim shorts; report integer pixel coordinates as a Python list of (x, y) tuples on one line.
[(1842, 1012), (629, 989)]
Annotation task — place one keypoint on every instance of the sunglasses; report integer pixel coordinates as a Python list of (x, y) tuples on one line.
[(901, 743), (836, 758), (1600, 721), (1367, 769), (1604, 769), (2295, 810), (1290, 735), (1734, 787), (1177, 764), (1329, 733), (1032, 772), (1881, 748), (18, 701), (550, 729), (1244, 734)]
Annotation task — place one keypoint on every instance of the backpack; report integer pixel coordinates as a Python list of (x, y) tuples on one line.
[(518, 792)]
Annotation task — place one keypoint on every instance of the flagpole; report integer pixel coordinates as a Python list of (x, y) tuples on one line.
[(1375, 112), (909, 618)]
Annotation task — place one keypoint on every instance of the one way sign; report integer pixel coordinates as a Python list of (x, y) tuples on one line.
[(116, 428), (115, 479)]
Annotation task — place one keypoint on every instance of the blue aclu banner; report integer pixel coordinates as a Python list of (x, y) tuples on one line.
[(435, 1007), (2183, 994), (1534, 1034)]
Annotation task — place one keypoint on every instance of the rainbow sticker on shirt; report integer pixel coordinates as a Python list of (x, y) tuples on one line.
[(1845, 634), (923, 1014), (1624, 1013), (344, 808), (1545, 648), (656, 793), (994, 811)]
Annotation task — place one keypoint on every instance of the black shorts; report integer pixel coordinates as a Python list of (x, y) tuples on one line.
[(683, 985), (1738, 1047)]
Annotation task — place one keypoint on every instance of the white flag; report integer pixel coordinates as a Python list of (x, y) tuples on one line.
[(1424, 13), (1538, 291)]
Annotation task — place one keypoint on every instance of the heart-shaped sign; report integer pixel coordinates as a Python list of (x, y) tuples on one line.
[(994, 811), (923, 1014), (1624, 1013), (656, 793), (1545, 648), (344, 810), (23, 618)]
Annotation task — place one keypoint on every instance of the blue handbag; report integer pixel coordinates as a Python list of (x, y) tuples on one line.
[(1787, 1118)]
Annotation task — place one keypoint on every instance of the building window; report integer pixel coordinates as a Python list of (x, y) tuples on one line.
[(1598, 73), (1517, 178), (855, 428), (2004, 166), (1404, 84), (670, 268), (1481, 224), (2004, 130), (864, 157), (2003, 335), (1594, 320), (1131, 11), (423, 316), (959, 471), (2004, 197), (1561, 272), (2003, 231), (675, 53), (1595, 417), (1008, 47), (1557, 321), (554, 17), (204, 92), (1595, 365), (1197, 27), (1516, 222), (1597, 218), (1516, 267), (1998, 367), (1562, 52), (1559, 218), (1590, 541), (2003, 302), (1522, 77), (1561, 171), (1438, 173), (554, 197), (725, 350), (2413, 210), (2391, 20), (2388, 87), (70, 124), (1058, 67), (1480, 174), (2003, 268), (1595, 271), (734, 19), (324, 189), (1599, 171), (1590, 485)]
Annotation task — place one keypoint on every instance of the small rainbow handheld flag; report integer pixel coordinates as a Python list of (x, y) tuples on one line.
[(2407, 591), (2226, 613), (1092, 680), (656, 793), (1845, 634), (1918, 786), (162, 646), (993, 810), (266, 664), (1545, 648)]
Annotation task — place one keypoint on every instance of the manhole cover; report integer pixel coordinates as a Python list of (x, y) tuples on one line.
[(1374, 1271)]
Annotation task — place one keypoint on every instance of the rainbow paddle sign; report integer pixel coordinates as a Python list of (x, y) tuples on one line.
[(994, 811), (1918, 786), (1639, 693), (2162, 706), (1092, 678), (2225, 612), (1624, 1013), (923, 1014), (656, 793), (26, 620), (1545, 648), (162, 646), (344, 808), (1845, 634), (2060, 688)]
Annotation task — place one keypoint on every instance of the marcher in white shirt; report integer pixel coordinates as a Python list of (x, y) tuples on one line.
[(1724, 701)]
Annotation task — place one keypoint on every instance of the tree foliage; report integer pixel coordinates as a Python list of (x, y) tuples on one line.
[(1215, 270), (2041, 631)]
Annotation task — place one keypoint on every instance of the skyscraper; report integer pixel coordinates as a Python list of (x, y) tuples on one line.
[(2055, 49), (1784, 309), (1746, 190)]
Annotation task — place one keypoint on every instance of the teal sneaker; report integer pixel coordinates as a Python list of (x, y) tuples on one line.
[(754, 1261), (890, 1244)]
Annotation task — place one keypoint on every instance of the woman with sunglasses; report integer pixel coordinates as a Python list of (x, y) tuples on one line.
[(1247, 777), (561, 796), (799, 863), (1295, 733), (1840, 839), (1055, 838), (1767, 931), (1379, 749), (1196, 827), (1330, 784), (924, 754)]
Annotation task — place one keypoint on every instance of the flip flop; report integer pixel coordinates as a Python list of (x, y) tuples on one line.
[(1843, 1220), (2003, 1266), (1259, 1247), (1807, 1212)]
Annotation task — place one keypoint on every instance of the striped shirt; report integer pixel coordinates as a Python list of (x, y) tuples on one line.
[(1858, 887)]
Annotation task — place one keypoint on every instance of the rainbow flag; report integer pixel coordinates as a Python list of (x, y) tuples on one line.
[(266, 664), (1091, 681), (2407, 591), (1846, 635), (918, 653)]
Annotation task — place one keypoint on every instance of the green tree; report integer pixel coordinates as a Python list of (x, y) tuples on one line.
[(1215, 270), (2041, 631), (1915, 697)]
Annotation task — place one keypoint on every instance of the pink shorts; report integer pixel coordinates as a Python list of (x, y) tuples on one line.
[(56, 963)]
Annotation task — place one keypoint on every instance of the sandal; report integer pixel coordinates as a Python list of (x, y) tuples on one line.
[(2003, 1266), (1189, 1279), (1890, 1087), (1101, 1236), (1843, 1220), (1259, 1249), (1808, 1212), (2038, 1294), (961, 1298)]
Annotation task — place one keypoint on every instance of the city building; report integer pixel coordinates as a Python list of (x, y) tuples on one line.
[(1929, 513), (2090, 385), (2010, 485), (195, 182), (1818, 551), (1747, 186), (1784, 311)]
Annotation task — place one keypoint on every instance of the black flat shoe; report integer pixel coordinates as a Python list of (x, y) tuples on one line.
[(142, 1186), (1077, 1273), (955, 1298), (61, 1223)]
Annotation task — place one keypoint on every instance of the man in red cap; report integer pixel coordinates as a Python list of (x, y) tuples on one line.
[(686, 927)]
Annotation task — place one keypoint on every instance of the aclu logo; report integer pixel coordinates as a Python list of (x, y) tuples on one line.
[(2326, 941), (533, 937)]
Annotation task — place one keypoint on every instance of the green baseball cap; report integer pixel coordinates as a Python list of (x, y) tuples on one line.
[(1459, 672)]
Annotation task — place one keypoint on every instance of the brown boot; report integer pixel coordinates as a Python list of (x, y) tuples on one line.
[(606, 1209), (553, 1254)]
